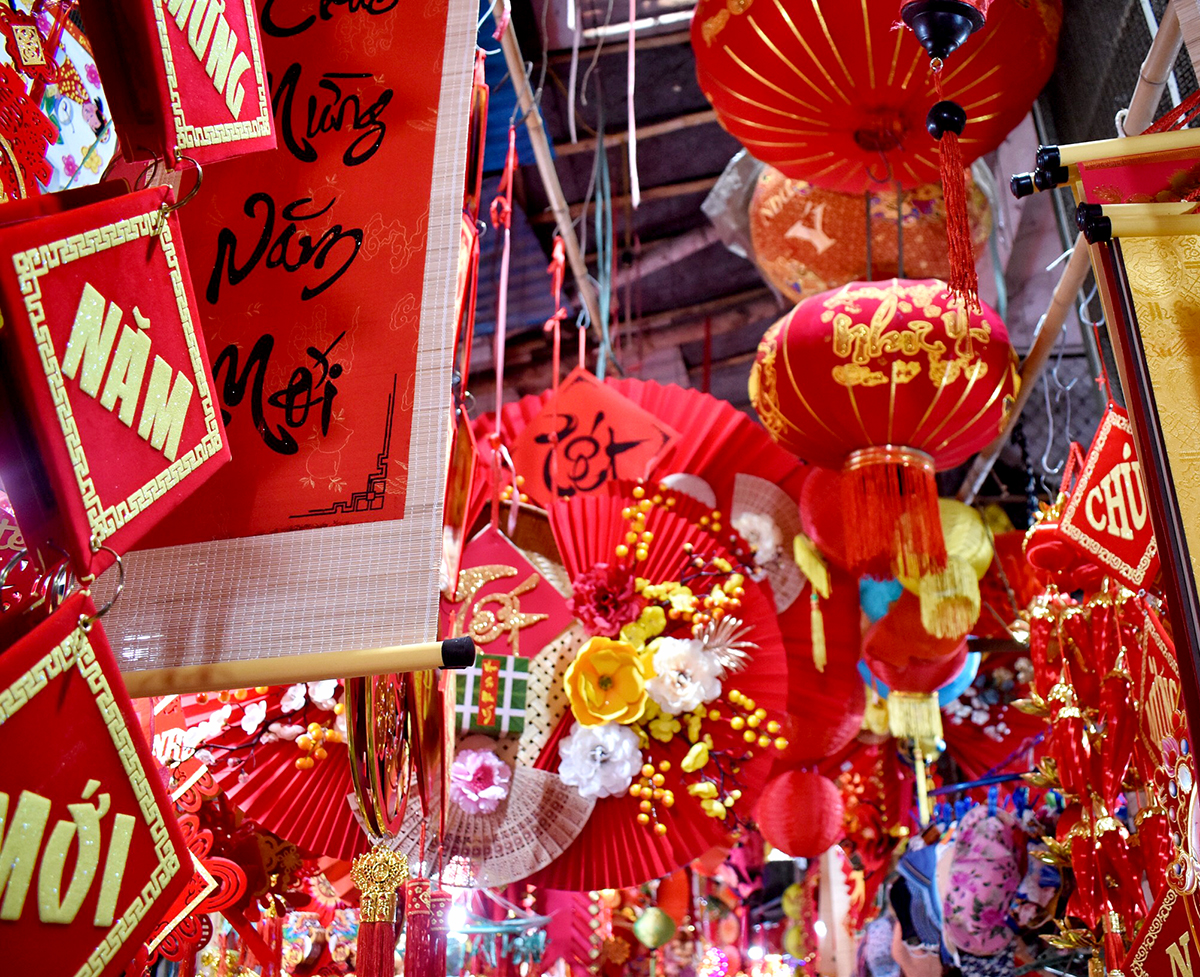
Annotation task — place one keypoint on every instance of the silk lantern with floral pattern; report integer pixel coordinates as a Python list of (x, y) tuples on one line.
[(891, 382)]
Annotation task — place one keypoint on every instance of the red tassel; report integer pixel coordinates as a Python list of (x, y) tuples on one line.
[(890, 497), (378, 874), (419, 950), (945, 122), (441, 901)]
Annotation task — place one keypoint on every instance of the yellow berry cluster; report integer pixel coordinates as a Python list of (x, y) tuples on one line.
[(637, 538), (234, 695), (506, 493), (312, 743), (752, 724), (650, 789)]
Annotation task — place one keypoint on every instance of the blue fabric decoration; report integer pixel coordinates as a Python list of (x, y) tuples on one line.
[(877, 596)]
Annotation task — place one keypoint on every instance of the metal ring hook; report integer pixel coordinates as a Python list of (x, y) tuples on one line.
[(84, 620), (166, 208)]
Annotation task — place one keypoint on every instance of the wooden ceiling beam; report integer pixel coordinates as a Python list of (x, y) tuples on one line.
[(613, 139), (666, 191)]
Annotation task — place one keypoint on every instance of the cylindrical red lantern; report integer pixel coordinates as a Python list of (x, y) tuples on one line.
[(889, 381), (800, 813), (807, 239), (828, 92)]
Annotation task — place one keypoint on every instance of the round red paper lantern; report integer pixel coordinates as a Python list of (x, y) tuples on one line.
[(808, 240), (919, 675), (800, 813), (899, 639), (827, 91), (890, 382)]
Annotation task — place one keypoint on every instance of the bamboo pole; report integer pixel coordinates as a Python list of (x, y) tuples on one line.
[(545, 165), (288, 670), (1155, 73)]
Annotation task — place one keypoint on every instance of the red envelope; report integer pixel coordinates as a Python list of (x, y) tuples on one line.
[(602, 437), (1107, 517), (110, 418), (502, 601), (183, 77), (92, 853)]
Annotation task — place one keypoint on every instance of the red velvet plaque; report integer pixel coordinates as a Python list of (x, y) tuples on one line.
[(91, 854), (184, 77), (110, 419), (1107, 517)]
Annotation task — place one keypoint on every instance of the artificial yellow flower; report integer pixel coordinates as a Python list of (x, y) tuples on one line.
[(704, 789), (694, 721), (696, 758), (714, 809), (664, 726), (606, 683), (650, 624)]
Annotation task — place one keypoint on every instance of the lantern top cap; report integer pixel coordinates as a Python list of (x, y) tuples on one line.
[(942, 25)]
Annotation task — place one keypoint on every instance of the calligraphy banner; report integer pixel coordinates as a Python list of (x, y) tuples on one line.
[(325, 273)]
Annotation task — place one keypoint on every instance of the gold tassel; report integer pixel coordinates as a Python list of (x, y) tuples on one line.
[(950, 601), (817, 621), (811, 564), (915, 716)]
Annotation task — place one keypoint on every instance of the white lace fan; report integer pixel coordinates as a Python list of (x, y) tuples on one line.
[(532, 827)]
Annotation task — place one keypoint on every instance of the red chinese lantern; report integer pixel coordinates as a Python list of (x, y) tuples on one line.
[(800, 813), (919, 675), (808, 239), (899, 640), (828, 91), (889, 381)]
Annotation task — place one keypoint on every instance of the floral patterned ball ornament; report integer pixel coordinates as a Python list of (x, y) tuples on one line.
[(479, 781)]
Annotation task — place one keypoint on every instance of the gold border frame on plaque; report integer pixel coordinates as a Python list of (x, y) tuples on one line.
[(104, 520)]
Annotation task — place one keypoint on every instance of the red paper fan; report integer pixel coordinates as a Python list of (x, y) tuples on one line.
[(306, 807), (613, 850), (717, 441)]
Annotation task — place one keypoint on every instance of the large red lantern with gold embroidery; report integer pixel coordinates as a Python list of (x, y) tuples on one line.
[(891, 382), (829, 92)]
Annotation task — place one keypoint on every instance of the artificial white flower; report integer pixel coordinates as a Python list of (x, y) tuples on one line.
[(293, 698), (285, 731), (686, 676), (760, 531), (210, 728), (323, 694), (252, 716), (599, 761)]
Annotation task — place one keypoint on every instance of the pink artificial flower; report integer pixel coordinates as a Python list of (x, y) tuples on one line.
[(479, 781), (605, 600)]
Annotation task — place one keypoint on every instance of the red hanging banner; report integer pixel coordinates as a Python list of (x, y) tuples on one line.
[(184, 77), (1107, 516), (92, 855), (111, 419), (325, 271)]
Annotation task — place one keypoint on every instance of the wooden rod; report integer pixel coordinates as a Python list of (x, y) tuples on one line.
[(1155, 73), (1153, 225), (560, 214), (665, 191), (1047, 334), (290, 669), (1156, 142), (612, 139)]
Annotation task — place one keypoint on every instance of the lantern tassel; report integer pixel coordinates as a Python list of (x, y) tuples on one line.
[(817, 621), (915, 716), (950, 601), (890, 498), (378, 874), (945, 122)]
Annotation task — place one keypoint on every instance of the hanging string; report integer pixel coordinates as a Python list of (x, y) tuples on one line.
[(501, 216), (557, 270), (575, 26), (635, 191), (604, 241)]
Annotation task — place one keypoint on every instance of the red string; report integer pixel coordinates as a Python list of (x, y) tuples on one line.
[(1178, 117), (964, 281)]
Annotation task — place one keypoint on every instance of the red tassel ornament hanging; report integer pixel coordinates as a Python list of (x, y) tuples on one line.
[(378, 875), (420, 943), (891, 500), (440, 901)]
